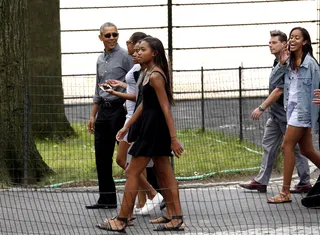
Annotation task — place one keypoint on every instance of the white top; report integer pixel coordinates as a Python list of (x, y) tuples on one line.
[(293, 89), (292, 113), (131, 89)]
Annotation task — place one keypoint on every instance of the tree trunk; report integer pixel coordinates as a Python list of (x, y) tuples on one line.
[(19, 157), (44, 64)]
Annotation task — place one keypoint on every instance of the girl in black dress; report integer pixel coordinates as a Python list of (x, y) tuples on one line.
[(156, 140)]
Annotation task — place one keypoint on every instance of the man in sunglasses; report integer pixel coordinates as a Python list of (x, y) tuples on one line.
[(108, 113)]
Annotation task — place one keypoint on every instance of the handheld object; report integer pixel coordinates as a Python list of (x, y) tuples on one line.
[(105, 87), (173, 152)]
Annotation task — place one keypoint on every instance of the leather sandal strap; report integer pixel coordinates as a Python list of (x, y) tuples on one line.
[(123, 219), (177, 217), (163, 219), (180, 224), (284, 194)]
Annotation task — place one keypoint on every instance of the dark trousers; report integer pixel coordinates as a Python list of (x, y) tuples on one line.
[(109, 121)]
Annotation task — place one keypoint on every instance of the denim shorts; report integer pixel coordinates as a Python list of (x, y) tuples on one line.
[(292, 117)]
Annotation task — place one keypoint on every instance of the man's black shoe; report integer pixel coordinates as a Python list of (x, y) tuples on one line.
[(162, 205), (312, 201), (101, 206)]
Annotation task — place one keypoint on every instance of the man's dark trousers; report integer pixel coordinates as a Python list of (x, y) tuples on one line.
[(109, 121)]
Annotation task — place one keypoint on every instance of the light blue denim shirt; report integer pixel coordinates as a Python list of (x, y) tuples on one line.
[(308, 80)]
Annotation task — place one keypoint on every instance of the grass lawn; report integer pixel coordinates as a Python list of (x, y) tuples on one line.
[(205, 153)]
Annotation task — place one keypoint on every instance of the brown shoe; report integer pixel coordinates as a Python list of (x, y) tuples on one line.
[(254, 185), (301, 188)]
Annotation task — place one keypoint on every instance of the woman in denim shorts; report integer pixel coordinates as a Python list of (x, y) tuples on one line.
[(302, 77)]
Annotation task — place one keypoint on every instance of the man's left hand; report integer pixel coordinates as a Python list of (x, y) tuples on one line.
[(255, 115)]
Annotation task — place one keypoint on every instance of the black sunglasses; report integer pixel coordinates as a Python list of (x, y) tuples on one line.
[(108, 35)]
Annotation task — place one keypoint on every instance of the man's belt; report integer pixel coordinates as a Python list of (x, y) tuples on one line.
[(112, 103)]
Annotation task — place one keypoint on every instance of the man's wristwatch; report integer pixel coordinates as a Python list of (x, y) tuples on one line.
[(261, 109)]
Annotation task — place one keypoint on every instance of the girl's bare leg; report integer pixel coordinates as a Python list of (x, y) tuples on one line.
[(145, 190), (133, 172), (291, 138), (307, 149), (141, 193), (145, 187), (122, 154), (166, 178), (162, 187), (122, 160)]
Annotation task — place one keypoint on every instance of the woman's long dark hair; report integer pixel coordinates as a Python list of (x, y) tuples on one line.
[(307, 48), (160, 60)]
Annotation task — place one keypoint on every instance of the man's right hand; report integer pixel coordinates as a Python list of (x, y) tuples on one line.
[(91, 125)]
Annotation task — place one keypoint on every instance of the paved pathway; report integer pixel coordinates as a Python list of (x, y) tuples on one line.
[(208, 209)]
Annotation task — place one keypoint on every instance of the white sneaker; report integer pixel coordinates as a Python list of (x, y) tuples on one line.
[(136, 210), (151, 204), (144, 210)]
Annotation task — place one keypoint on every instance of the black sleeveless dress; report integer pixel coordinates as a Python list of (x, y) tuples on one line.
[(154, 139)]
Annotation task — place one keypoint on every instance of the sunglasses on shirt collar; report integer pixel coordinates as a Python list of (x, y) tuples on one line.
[(108, 35)]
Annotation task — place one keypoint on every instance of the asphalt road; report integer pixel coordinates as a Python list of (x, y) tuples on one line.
[(207, 209)]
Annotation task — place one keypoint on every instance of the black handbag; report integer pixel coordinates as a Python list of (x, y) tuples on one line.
[(312, 200), (134, 130)]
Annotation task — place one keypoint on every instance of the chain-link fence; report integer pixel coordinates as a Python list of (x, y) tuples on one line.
[(220, 69)]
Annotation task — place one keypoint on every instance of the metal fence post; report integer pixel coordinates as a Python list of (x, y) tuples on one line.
[(202, 102), (240, 104), (170, 46), (27, 133), (318, 39), (170, 53)]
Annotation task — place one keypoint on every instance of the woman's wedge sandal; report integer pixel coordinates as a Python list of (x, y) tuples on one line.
[(107, 226), (160, 220), (178, 227)]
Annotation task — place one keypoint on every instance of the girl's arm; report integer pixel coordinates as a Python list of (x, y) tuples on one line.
[(158, 84), (116, 83), (315, 76), (126, 96)]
